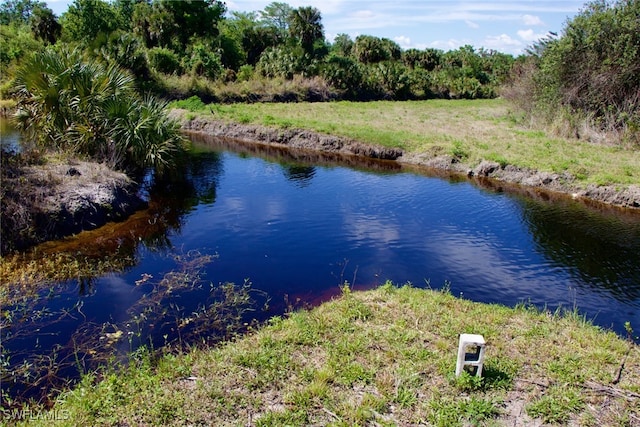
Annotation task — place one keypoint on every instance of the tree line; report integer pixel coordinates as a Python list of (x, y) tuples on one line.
[(589, 75), (182, 48)]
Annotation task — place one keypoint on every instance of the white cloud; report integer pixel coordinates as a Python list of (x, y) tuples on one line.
[(531, 20), (529, 35), (471, 24), (404, 42), (363, 15), (503, 43), (449, 44)]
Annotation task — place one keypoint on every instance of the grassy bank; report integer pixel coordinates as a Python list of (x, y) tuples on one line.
[(469, 130), (381, 357)]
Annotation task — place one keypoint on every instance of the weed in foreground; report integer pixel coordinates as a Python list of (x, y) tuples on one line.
[(556, 405)]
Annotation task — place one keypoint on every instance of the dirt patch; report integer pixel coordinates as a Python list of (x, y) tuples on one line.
[(53, 200), (621, 196)]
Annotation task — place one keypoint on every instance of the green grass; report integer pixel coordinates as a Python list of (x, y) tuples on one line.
[(471, 130), (381, 357)]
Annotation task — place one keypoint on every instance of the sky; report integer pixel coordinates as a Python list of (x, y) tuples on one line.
[(505, 26)]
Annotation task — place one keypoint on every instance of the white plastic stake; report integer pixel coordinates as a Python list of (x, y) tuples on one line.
[(473, 358)]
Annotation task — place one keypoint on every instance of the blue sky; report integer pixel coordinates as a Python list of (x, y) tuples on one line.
[(506, 26)]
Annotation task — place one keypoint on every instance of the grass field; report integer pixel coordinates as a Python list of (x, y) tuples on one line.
[(471, 130), (381, 357)]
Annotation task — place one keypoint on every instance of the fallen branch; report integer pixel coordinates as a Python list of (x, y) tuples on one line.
[(611, 391), (616, 379)]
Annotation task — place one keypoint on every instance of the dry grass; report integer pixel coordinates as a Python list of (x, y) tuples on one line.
[(269, 90), (382, 357)]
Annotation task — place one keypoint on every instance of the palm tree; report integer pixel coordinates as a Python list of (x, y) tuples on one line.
[(306, 26), (93, 110)]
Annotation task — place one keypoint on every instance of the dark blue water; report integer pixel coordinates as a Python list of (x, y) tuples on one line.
[(296, 225)]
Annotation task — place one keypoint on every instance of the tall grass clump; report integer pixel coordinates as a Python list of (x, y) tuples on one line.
[(90, 109)]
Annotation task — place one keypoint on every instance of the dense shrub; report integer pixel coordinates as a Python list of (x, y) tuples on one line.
[(427, 59), (91, 109), (281, 62), (245, 73), (343, 73), (393, 79), (164, 60), (591, 74), (371, 50), (595, 66), (17, 42), (127, 51), (203, 61)]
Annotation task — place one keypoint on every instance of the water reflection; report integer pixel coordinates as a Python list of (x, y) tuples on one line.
[(301, 175), (295, 156), (9, 137), (602, 252)]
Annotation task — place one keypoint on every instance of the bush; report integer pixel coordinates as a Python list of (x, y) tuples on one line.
[(370, 50), (591, 74), (17, 42), (204, 62), (193, 103), (343, 73), (93, 110), (393, 79), (281, 62), (164, 60), (127, 51), (245, 73)]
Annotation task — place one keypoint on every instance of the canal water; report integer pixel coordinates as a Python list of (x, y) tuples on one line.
[(288, 228)]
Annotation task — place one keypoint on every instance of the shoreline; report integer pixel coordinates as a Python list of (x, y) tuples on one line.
[(627, 197), (385, 355), (79, 209), (60, 199)]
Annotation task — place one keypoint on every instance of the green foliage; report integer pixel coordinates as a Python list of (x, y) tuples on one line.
[(85, 19), (305, 25), (231, 52), (18, 11), (467, 382), (591, 72), (277, 16), (203, 61), (343, 73), (459, 151), (195, 43), (193, 103), (342, 45), (392, 78), (247, 37), (557, 405), (245, 73), (427, 59), (447, 412), (280, 62), (17, 42), (164, 60), (92, 109), (126, 51), (370, 49), (174, 24)]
